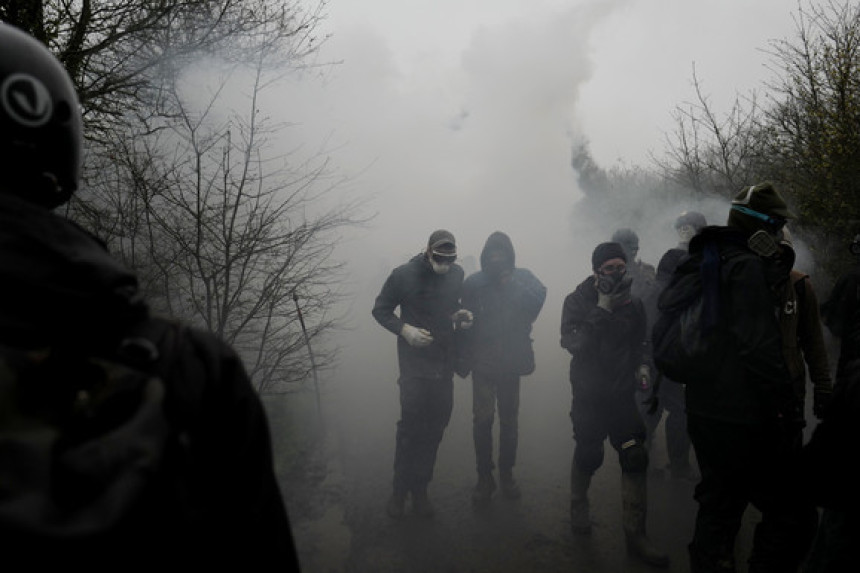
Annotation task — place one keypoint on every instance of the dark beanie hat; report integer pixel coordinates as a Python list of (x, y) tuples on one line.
[(605, 251), (764, 200), (442, 241)]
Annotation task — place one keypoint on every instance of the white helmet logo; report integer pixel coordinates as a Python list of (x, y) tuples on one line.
[(26, 100)]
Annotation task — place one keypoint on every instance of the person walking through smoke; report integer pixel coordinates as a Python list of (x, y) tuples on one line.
[(670, 394), (742, 414), (505, 300), (645, 288), (126, 440), (427, 291), (603, 327), (830, 469)]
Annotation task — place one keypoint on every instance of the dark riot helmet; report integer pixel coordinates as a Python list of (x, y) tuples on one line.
[(40, 122)]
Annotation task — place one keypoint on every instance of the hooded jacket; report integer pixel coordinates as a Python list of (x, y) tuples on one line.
[(500, 341), (606, 347), (750, 384), (426, 300), (62, 290)]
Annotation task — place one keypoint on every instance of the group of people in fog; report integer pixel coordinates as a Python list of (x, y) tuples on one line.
[(126, 434), (742, 414)]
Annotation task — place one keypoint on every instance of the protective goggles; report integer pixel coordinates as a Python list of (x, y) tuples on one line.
[(776, 223), (444, 258)]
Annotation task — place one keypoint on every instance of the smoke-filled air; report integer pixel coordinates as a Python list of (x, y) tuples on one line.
[(466, 116)]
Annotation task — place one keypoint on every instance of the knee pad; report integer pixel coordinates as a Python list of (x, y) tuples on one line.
[(633, 457)]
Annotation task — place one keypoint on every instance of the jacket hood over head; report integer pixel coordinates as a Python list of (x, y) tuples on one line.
[(498, 242)]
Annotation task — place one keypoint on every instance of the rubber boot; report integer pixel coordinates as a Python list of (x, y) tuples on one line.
[(510, 488), (421, 505), (580, 516), (484, 489), (634, 501)]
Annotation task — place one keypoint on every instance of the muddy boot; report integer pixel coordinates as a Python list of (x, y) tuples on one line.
[(634, 501), (510, 488), (580, 516), (421, 505), (396, 504), (484, 489)]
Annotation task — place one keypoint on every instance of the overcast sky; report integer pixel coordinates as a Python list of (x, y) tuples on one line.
[(462, 113)]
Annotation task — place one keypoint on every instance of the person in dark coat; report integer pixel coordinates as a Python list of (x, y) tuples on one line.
[(505, 300), (427, 291), (742, 417), (182, 472), (670, 394), (829, 466), (841, 312), (802, 332), (603, 327)]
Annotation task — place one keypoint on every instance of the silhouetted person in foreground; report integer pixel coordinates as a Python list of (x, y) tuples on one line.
[(427, 291), (741, 410), (126, 441), (603, 328), (505, 300)]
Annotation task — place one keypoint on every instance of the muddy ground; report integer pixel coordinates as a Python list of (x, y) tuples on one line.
[(335, 465)]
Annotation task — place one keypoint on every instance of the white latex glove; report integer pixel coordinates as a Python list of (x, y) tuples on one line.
[(417, 337), (463, 319)]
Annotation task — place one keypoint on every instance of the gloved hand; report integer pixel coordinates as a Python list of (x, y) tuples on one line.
[(820, 400), (416, 337), (462, 319), (643, 377)]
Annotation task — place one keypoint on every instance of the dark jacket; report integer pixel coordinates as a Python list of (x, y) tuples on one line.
[(500, 339), (667, 265), (802, 338), (214, 498), (426, 300), (841, 315), (829, 463), (751, 383), (606, 347)]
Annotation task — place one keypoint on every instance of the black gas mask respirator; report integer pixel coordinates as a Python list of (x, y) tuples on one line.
[(614, 282)]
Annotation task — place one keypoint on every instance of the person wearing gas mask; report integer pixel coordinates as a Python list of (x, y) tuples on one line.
[(505, 301), (643, 275), (742, 418), (670, 394), (802, 335), (603, 326), (644, 287), (427, 291)]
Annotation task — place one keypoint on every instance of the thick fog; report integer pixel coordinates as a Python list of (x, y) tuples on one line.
[(463, 116)]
